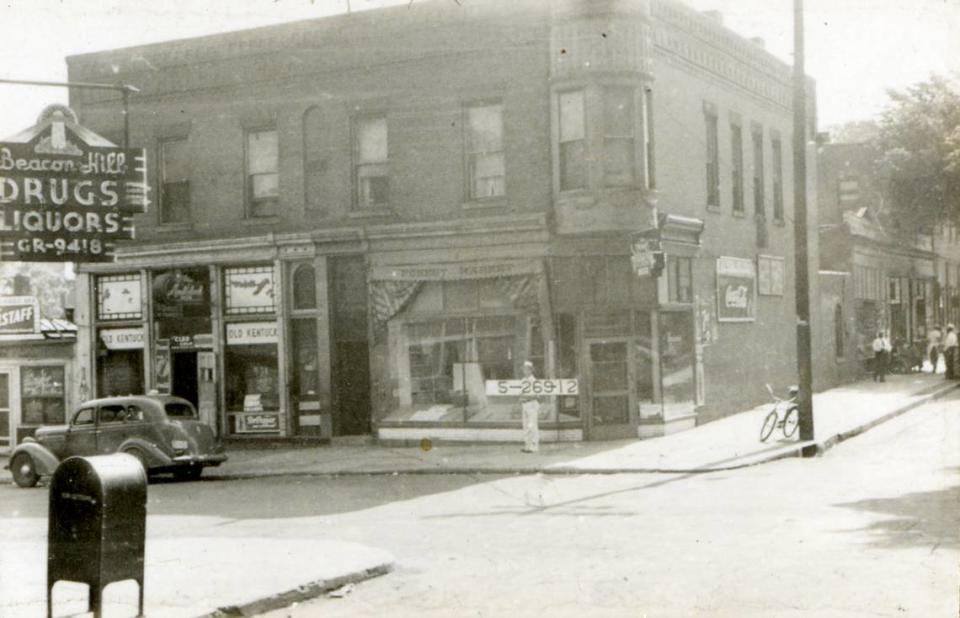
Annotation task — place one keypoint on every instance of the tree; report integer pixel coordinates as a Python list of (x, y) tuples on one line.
[(918, 148)]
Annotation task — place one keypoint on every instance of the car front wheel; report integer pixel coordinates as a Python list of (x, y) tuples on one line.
[(24, 470)]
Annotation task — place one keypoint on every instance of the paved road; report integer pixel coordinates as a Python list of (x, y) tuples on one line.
[(871, 529)]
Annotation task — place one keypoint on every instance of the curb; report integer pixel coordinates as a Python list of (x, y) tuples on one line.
[(301, 593), (797, 450)]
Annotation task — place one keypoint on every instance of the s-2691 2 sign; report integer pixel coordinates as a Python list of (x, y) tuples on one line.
[(516, 388)]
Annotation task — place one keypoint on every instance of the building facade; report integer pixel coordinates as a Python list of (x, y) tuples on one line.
[(359, 221)]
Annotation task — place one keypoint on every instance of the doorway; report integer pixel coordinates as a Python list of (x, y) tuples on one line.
[(612, 411), (352, 389), (185, 381)]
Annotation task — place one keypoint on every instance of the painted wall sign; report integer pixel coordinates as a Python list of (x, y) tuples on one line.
[(249, 290), (66, 193), (736, 289), (19, 314), (122, 338), (252, 333)]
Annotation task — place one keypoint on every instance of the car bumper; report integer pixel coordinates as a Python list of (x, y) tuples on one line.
[(199, 460)]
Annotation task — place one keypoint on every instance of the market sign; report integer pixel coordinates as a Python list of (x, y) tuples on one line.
[(66, 193), (736, 289), (19, 314)]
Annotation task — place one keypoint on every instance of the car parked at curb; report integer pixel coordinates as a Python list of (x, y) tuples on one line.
[(162, 431)]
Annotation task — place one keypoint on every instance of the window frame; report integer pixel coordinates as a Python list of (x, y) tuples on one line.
[(163, 211), (471, 153), (630, 140), (357, 164), (712, 144), (776, 147), (759, 172), (252, 203), (736, 167), (583, 140)]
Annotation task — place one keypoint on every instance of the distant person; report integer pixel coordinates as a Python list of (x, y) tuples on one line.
[(950, 352), (530, 409), (934, 340), (881, 356)]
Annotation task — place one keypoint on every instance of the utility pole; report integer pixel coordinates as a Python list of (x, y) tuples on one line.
[(801, 244)]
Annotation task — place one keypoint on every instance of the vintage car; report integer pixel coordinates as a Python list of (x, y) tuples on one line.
[(162, 431)]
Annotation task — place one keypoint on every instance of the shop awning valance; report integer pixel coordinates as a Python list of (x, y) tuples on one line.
[(456, 271)]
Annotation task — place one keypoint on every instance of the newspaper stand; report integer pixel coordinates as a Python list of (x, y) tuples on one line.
[(97, 525)]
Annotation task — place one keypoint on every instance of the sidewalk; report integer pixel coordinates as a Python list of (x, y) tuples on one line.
[(732, 442), (202, 576)]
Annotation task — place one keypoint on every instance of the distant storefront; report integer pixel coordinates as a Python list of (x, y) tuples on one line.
[(36, 359)]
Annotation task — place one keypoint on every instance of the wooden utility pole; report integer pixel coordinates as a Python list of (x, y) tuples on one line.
[(801, 244)]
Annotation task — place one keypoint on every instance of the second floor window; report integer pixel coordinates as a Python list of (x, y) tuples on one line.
[(736, 166), (777, 147), (759, 207), (618, 135), (372, 172), (174, 181), (713, 159), (485, 151), (263, 179), (573, 167)]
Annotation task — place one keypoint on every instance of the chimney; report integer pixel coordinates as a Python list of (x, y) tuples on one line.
[(21, 285), (716, 16)]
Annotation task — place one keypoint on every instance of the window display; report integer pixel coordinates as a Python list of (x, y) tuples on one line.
[(42, 395)]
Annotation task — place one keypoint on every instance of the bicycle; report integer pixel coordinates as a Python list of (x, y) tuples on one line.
[(784, 415)]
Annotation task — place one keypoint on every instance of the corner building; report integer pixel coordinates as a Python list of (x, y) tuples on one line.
[(358, 220)]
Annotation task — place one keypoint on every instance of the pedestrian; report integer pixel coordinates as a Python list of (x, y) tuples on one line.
[(950, 352), (881, 356), (934, 337), (530, 409)]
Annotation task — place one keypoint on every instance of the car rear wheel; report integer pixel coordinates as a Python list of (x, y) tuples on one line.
[(24, 470)]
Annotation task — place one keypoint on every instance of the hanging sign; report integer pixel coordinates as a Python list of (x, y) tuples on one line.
[(19, 314), (66, 193)]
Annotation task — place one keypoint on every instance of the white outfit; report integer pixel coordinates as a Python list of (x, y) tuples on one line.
[(530, 409)]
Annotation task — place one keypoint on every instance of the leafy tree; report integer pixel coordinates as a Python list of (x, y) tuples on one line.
[(918, 148)]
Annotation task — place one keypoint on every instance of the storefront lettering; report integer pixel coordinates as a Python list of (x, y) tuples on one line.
[(16, 316), (31, 191), (53, 221), (251, 333), (96, 163)]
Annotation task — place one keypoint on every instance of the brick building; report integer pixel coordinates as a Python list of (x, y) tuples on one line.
[(359, 219)]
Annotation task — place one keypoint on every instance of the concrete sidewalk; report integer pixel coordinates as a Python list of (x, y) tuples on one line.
[(732, 442), (193, 577)]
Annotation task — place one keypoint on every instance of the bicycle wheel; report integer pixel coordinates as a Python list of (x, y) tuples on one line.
[(769, 424), (790, 422)]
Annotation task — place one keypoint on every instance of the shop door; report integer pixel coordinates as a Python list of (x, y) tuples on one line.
[(207, 389), (6, 429), (612, 401), (352, 414), (186, 381)]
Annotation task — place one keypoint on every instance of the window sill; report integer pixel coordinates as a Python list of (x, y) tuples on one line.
[(363, 213), (260, 220), (485, 204)]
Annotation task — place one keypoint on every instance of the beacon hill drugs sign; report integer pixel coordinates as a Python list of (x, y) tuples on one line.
[(66, 193)]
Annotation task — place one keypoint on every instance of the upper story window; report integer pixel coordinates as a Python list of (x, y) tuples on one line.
[(713, 156), (619, 122), (648, 147), (485, 164), (680, 279), (263, 179), (372, 171), (174, 181), (759, 207), (573, 168), (777, 147), (736, 165)]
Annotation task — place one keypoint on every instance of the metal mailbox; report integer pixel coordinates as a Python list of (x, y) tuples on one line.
[(97, 525)]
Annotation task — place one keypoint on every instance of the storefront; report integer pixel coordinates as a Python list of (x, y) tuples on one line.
[(35, 368)]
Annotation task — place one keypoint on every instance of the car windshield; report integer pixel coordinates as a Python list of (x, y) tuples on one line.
[(180, 410)]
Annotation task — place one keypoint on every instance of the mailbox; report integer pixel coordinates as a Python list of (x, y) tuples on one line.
[(97, 525)]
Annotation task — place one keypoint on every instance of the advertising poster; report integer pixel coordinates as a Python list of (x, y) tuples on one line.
[(736, 290)]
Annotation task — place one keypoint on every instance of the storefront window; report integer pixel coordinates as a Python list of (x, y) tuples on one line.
[(42, 395), (252, 388)]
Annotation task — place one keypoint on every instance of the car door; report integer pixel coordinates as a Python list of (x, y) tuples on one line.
[(82, 433), (112, 428)]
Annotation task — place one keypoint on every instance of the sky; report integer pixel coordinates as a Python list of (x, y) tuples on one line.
[(856, 49)]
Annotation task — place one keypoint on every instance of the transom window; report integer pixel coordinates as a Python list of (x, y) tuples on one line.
[(263, 179)]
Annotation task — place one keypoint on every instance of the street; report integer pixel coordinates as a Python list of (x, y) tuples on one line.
[(871, 528)]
